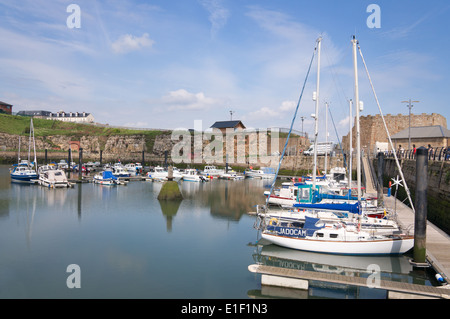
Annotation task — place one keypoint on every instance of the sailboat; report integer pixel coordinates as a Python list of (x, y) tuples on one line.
[(24, 171), (334, 237)]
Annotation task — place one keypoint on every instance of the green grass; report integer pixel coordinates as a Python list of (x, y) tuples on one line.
[(20, 125)]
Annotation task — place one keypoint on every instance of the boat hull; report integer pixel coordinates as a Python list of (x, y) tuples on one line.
[(395, 246), (32, 178), (54, 185)]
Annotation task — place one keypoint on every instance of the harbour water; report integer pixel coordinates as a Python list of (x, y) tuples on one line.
[(127, 244)]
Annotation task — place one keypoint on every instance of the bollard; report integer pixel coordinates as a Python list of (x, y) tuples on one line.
[(80, 165), (420, 221), (170, 174), (380, 195), (69, 158)]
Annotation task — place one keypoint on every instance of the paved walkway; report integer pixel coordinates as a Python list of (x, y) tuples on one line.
[(438, 242)]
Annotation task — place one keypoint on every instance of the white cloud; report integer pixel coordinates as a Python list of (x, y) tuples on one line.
[(184, 100), (218, 14), (127, 43), (285, 110)]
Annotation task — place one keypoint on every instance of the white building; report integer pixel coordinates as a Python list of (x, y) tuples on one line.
[(79, 117)]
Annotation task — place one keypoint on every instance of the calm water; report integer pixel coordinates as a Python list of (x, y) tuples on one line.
[(129, 245)]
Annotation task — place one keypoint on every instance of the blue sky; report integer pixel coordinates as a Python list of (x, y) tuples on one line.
[(167, 63)]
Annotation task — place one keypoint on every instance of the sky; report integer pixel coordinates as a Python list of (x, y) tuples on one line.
[(164, 64)]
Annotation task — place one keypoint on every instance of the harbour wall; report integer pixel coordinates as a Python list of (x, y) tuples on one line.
[(438, 191)]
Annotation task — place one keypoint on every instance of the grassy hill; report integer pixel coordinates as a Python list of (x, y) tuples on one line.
[(20, 125)]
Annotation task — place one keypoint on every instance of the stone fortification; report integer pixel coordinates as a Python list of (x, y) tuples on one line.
[(372, 127)]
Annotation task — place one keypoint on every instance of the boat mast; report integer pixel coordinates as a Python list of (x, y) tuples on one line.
[(358, 141), (18, 153), (350, 147), (34, 147), (316, 115), (326, 137)]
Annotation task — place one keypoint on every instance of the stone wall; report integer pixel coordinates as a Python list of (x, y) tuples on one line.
[(372, 127), (438, 191)]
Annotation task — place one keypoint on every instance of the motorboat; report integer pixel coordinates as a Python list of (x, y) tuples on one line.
[(263, 172), (120, 171), (191, 175), (212, 171), (24, 174), (107, 178), (54, 178), (232, 175), (161, 174), (131, 168), (63, 164)]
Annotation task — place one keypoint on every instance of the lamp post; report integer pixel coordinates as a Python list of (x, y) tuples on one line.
[(303, 118), (409, 129)]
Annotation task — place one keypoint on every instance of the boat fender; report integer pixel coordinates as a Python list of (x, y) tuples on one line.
[(439, 278)]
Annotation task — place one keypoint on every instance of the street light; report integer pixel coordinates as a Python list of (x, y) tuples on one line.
[(409, 129), (303, 118)]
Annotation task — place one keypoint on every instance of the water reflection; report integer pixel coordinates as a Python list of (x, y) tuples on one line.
[(392, 268), (227, 199), (130, 245), (169, 210)]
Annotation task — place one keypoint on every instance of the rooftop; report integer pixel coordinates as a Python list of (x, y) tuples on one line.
[(6, 104), (227, 124), (423, 132)]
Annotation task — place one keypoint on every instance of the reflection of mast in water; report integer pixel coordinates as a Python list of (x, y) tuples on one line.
[(79, 202), (169, 209), (30, 222)]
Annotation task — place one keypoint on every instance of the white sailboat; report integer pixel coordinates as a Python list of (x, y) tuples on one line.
[(25, 171), (318, 235)]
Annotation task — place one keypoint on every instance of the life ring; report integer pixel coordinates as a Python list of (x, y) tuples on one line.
[(273, 221)]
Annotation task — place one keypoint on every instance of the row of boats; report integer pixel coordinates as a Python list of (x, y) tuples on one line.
[(329, 219), (322, 214), (209, 172), (53, 175)]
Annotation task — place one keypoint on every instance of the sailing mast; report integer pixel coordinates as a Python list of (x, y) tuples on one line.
[(350, 147), (358, 141), (326, 137), (34, 147), (316, 115)]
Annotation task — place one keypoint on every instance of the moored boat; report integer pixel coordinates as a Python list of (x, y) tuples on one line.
[(54, 178)]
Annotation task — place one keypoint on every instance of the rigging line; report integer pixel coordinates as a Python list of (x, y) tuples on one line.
[(292, 124), (387, 131), (336, 80), (337, 136)]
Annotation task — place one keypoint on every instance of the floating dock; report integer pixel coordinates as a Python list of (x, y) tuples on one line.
[(438, 257), (437, 241)]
